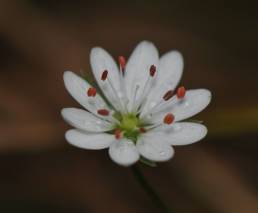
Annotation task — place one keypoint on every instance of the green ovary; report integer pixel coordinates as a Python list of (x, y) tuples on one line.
[(129, 122), (130, 125)]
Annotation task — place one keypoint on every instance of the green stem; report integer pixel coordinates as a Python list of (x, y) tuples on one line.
[(149, 190)]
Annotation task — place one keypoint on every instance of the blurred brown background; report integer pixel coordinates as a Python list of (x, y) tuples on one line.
[(39, 39)]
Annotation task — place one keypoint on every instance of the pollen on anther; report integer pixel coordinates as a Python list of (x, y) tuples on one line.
[(180, 92), (152, 70), (122, 62), (118, 134), (103, 112), (104, 75), (168, 95), (169, 118), (91, 92), (142, 129)]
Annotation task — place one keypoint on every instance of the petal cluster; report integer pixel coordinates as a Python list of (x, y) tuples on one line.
[(142, 102)]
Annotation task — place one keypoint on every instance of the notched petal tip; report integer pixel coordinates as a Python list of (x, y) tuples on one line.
[(98, 56), (63, 112), (96, 50), (69, 136), (208, 94), (123, 152), (205, 132), (69, 77), (173, 60), (177, 54), (147, 44), (67, 74)]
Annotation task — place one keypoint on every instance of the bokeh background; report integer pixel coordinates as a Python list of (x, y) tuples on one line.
[(39, 39)]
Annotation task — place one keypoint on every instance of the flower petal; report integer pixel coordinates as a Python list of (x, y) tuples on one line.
[(123, 152), (137, 70), (169, 74), (78, 87), (193, 102), (86, 121), (154, 148), (100, 61), (86, 140), (170, 69), (183, 133)]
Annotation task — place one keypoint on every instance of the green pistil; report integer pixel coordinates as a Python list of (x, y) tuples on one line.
[(130, 125), (129, 122)]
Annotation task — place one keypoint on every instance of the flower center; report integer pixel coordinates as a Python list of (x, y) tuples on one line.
[(129, 122), (130, 126)]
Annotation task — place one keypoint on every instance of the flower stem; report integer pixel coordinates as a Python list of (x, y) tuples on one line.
[(149, 190)]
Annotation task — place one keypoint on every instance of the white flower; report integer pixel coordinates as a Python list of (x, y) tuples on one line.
[(145, 111)]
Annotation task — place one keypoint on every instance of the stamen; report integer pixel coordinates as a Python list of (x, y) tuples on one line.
[(103, 112), (116, 95), (91, 92), (142, 129), (168, 95), (135, 94), (104, 75), (142, 99), (152, 70), (122, 62), (118, 134), (169, 118), (180, 92), (122, 94)]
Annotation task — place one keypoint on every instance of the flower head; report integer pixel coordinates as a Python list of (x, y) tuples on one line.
[(144, 115)]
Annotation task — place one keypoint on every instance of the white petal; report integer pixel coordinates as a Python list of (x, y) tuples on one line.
[(100, 60), (137, 69), (183, 133), (84, 120), (169, 74), (89, 140), (193, 102), (78, 87), (152, 147), (170, 69), (123, 152)]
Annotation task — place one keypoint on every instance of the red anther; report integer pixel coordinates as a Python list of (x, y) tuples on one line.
[(122, 62), (104, 75), (142, 130), (118, 134), (169, 118), (91, 92), (152, 70), (180, 92), (169, 94), (103, 112)]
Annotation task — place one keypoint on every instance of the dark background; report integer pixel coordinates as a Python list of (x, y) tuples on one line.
[(40, 172)]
